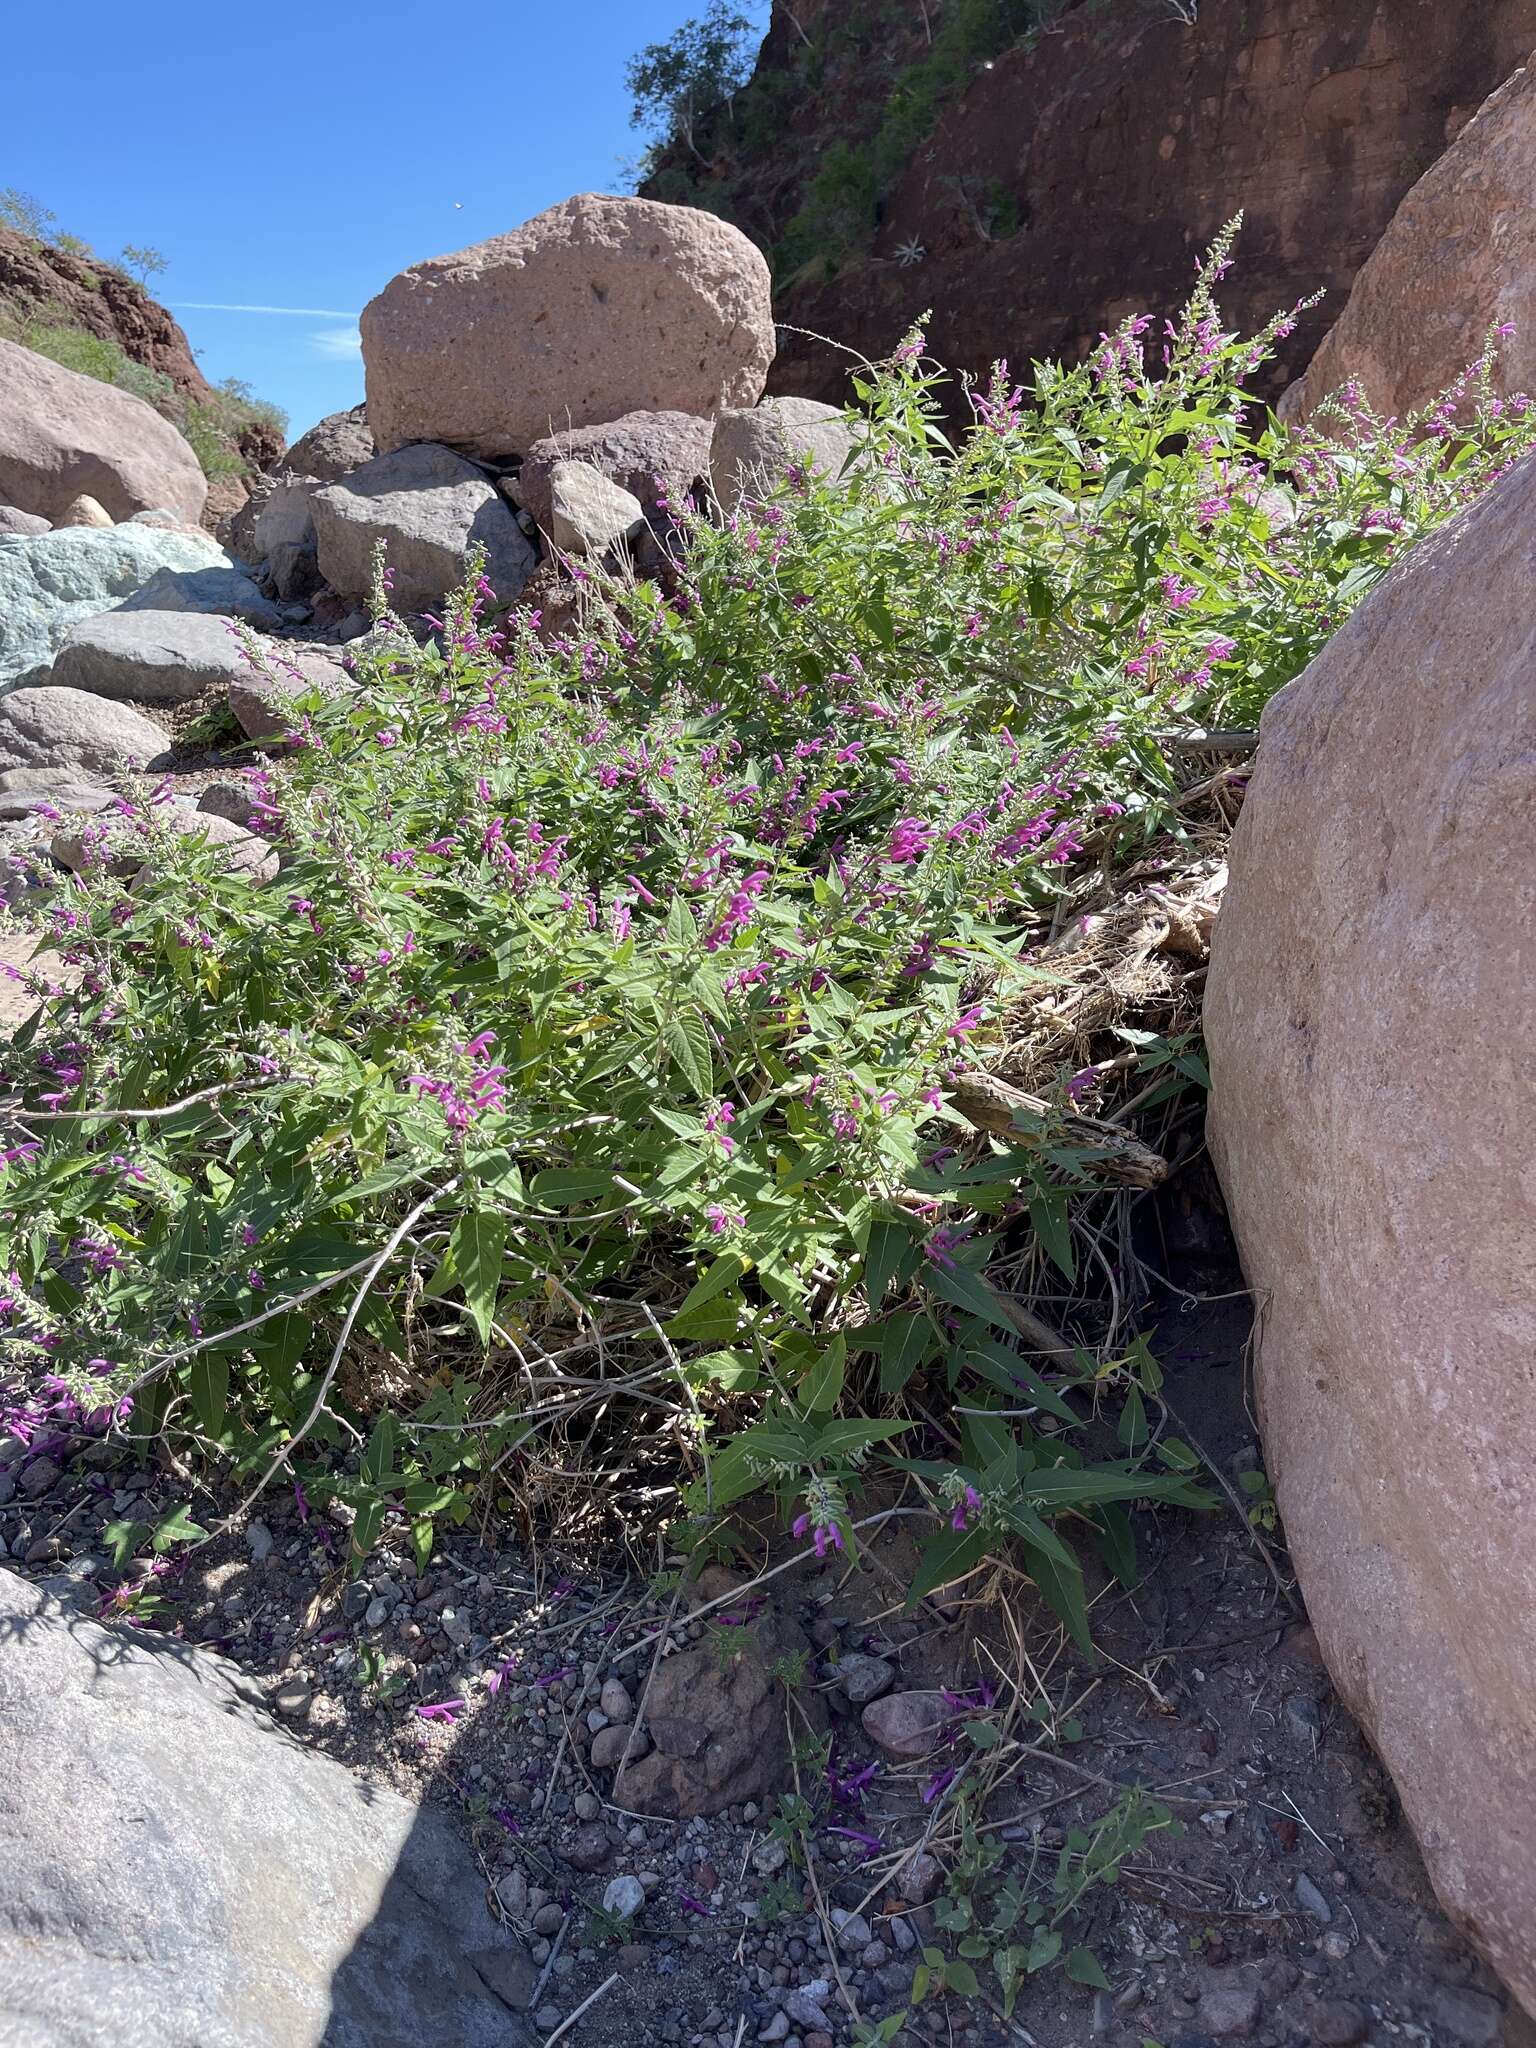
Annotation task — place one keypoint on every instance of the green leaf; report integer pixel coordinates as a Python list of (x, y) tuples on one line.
[(887, 1242), (122, 1540), (476, 1249), (734, 1370), (177, 1527), (366, 1530), (1043, 1949), (962, 1978), (1048, 1215), (687, 1040), (379, 1458), (905, 1339), (725, 1272), (819, 1390), (208, 1384), (565, 1187), (948, 1556), (1082, 1967)]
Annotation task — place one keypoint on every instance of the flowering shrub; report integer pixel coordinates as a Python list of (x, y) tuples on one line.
[(579, 1096)]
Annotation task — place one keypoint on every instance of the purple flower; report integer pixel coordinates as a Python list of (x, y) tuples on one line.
[(441, 1710), (825, 1535), (969, 1505)]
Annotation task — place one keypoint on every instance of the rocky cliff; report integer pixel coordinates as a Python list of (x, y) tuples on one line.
[(1075, 173), (39, 279)]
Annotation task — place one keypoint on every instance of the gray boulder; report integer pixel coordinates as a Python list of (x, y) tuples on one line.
[(62, 728), (588, 514), (14, 520), (150, 657), (220, 588), (180, 1874), (62, 434), (428, 506), (754, 450), (119, 843), (48, 581), (333, 447), (283, 537), (261, 698), (658, 456)]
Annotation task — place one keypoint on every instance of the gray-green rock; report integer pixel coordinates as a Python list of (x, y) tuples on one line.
[(48, 581)]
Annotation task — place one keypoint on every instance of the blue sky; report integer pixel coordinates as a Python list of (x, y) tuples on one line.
[(299, 155)]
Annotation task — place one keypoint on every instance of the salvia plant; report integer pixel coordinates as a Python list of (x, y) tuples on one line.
[(577, 1103)]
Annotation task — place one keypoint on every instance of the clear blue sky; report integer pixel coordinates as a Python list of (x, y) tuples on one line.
[(298, 153)]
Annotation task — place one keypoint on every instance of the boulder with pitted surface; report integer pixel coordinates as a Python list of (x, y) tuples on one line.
[(595, 308)]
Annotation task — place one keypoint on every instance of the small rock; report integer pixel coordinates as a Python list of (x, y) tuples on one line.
[(919, 1879), (624, 1896), (907, 1724), (1469, 2018), (292, 1699), (549, 1919), (589, 513), (589, 1848), (1303, 1718), (608, 1747), (1337, 2023), (1312, 1901), (776, 2028), (616, 1702), (853, 1930), (258, 1540), (512, 1892), (511, 1974), (769, 1857), (805, 2012), (85, 511), (37, 1478), (1229, 2005), (547, 2018), (864, 1678)]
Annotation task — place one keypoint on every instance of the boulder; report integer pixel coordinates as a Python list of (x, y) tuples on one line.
[(23, 789), (332, 448), (221, 589), (50, 580), (179, 1873), (260, 699), (1458, 257), (588, 515), (597, 307), (62, 434), (53, 728), (283, 536), (150, 657), (13, 520), (754, 450), (118, 843), (718, 1727), (1372, 980), (428, 506), (85, 511), (658, 456)]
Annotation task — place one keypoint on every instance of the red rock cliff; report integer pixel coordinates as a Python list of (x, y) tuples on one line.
[(1119, 140)]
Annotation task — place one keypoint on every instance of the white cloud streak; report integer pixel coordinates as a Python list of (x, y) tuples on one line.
[(304, 312), (340, 343)]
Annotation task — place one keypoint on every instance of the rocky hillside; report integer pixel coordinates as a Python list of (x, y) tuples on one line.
[(93, 317), (1031, 183)]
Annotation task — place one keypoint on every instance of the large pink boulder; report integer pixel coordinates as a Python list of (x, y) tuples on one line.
[(1458, 257), (1372, 986), (595, 308), (63, 436)]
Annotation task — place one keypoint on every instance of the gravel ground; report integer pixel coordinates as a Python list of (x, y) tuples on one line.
[(1291, 1911)]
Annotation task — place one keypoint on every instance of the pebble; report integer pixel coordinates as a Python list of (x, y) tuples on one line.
[(1312, 1901), (38, 1477), (1229, 2005), (1337, 2023), (589, 1848), (1469, 2018), (624, 1896), (776, 2028), (548, 1919), (587, 1806), (1302, 1718), (769, 1857), (853, 1930), (906, 1724), (292, 1699), (547, 2018), (864, 1678), (615, 1701), (920, 1879), (258, 1540)]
